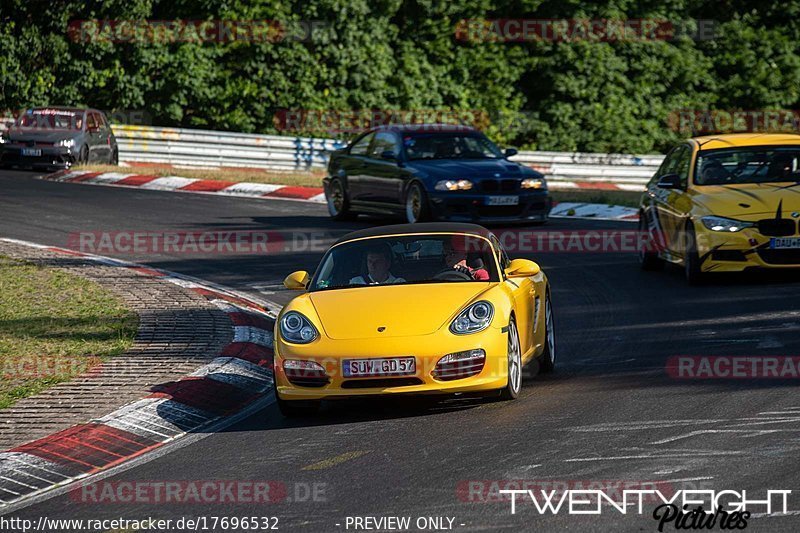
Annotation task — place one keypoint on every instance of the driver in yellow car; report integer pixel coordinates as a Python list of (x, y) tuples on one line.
[(379, 261)]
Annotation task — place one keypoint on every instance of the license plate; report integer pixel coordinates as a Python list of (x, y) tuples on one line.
[(784, 243), (393, 366), (32, 152), (502, 200)]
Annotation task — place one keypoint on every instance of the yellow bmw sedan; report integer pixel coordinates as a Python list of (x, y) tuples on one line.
[(412, 309), (724, 203)]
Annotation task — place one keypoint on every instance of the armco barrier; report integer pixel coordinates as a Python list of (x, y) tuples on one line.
[(182, 147)]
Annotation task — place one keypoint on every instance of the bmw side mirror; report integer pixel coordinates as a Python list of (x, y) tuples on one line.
[(510, 151), (669, 181), (388, 155)]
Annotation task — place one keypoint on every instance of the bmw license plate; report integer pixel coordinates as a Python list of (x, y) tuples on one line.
[(392, 366), (784, 243), (32, 152), (502, 200)]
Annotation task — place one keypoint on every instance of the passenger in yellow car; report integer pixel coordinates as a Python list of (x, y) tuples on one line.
[(379, 261)]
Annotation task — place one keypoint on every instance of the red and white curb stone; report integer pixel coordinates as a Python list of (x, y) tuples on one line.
[(180, 184), (316, 194), (237, 378)]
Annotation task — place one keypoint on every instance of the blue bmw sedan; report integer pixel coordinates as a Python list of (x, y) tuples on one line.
[(433, 172)]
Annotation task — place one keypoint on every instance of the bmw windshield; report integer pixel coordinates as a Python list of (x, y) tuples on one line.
[(731, 166), (450, 146), (411, 259)]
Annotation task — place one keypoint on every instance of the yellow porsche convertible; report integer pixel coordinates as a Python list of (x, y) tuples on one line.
[(724, 203), (412, 309)]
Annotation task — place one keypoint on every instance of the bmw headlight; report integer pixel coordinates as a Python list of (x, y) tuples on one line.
[(533, 183), (473, 319), (725, 224), (297, 328), (67, 143), (453, 185)]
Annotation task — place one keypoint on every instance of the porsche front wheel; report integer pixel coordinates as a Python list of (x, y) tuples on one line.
[(514, 383), (548, 358)]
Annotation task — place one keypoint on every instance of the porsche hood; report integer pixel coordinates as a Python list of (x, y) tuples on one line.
[(401, 310)]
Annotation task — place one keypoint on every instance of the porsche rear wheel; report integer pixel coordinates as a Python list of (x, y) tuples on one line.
[(514, 383)]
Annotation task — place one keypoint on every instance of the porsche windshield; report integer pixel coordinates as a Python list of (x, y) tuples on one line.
[(732, 166), (409, 259)]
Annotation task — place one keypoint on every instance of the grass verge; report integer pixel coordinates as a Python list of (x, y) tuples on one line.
[(54, 326)]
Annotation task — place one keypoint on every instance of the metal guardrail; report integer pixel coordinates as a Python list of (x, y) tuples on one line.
[(205, 148), (213, 149)]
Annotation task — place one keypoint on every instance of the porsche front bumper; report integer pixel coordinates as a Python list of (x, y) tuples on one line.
[(427, 350)]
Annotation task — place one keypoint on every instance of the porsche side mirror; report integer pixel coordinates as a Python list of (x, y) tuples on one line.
[(669, 181), (296, 281), (522, 268), (388, 155), (510, 151)]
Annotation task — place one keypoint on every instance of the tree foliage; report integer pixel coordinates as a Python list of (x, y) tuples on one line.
[(581, 94)]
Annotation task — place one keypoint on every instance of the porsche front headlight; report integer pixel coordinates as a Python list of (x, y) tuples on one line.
[(297, 328), (725, 224), (473, 319)]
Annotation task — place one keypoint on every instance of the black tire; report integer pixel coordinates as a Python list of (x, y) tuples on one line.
[(114, 158), (514, 382), (416, 204), (648, 259), (691, 258), (83, 155), (337, 200), (297, 408), (547, 361)]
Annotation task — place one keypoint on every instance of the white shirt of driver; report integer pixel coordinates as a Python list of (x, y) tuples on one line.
[(359, 280)]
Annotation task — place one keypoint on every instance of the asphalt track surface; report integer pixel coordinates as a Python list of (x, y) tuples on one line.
[(610, 411)]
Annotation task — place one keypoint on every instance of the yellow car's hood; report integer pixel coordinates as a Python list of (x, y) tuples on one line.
[(402, 310), (749, 199)]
